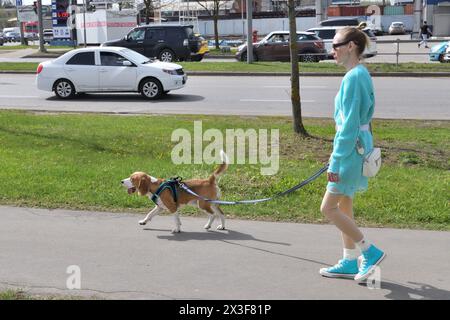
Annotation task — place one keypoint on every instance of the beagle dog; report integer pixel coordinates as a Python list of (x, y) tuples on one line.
[(147, 185)]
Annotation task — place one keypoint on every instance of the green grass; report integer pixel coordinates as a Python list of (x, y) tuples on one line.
[(216, 52), (77, 161), (19, 66), (275, 67), (23, 295), (13, 295), (18, 47), (22, 47)]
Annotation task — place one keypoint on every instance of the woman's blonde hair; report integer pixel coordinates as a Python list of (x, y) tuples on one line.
[(355, 34)]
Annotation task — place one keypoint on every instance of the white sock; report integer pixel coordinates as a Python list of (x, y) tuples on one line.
[(363, 245), (351, 254)]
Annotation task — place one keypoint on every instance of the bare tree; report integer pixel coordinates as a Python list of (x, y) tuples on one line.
[(7, 4), (213, 7), (149, 10), (295, 79), (152, 5)]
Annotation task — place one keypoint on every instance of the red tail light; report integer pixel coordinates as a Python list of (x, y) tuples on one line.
[(39, 68)]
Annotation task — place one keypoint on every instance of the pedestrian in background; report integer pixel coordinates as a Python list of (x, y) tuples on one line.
[(425, 32), (354, 107)]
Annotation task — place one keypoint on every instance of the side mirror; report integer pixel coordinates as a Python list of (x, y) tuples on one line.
[(127, 63)]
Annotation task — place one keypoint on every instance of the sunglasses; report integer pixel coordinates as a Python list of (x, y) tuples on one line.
[(337, 45)]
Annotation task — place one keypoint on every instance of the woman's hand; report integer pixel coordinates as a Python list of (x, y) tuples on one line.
[(333, 177)]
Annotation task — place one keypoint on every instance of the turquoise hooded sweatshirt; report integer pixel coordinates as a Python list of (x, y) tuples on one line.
[(353, 107)]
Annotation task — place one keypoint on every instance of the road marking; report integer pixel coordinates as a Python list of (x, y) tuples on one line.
[(266, 100)]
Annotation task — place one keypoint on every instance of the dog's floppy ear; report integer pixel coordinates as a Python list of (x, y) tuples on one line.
[(143, 186)]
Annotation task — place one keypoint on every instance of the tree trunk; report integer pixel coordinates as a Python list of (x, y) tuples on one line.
[(216, 23), (41, 27), (295, 79)]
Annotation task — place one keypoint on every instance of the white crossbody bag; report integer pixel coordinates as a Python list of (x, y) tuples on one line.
[(372, 163), (372, 160)]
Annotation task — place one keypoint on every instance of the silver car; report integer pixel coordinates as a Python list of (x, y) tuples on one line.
[(397, 28), (328, 33)]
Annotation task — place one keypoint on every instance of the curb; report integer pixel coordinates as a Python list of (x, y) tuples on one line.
[(286, 74), (322, 74)]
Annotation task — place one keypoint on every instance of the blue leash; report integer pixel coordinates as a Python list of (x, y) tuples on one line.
[(294, 188)]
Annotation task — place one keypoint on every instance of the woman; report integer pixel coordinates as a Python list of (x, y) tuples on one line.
[(354, 106)]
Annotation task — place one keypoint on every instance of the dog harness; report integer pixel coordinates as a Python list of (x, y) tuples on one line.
[(169, 184)]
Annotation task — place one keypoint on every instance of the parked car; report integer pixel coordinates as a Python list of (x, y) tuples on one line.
[(202, 51), (397, 28), (341, 22), (12, 36), (440, 52), (275, 47), (166, 42), (108, 69), (328, 33), (354, 21)]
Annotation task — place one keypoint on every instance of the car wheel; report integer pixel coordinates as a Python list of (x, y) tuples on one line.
[(64, 89), (151, 88), (441, 58), (166, 55)]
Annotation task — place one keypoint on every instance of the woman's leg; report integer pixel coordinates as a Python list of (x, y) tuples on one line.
[(330, 208), (346, 207), (339, 210)]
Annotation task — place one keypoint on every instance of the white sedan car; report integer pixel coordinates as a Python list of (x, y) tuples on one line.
[(108, 69)]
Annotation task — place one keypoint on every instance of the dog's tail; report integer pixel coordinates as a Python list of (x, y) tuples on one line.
[(222, 168)]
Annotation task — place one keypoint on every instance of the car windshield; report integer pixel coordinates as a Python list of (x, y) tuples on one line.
[(136, 57)]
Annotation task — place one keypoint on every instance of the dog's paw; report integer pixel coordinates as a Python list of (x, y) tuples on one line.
[(207, 226), (142, 222), (220, 227), (176, 230)]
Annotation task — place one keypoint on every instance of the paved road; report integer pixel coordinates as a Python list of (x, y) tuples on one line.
[(251, 260), (401, 98)]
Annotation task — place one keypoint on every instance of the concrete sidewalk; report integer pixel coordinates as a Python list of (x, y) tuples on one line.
[(119, 259)]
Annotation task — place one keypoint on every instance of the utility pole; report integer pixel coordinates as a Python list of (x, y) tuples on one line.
[(40, 26), (249, 31), (84, 22), (417, 16), (242, 18), (318, 11), (19, 23)]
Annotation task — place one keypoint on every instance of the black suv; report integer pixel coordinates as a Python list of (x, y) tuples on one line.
[(165, 42)]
